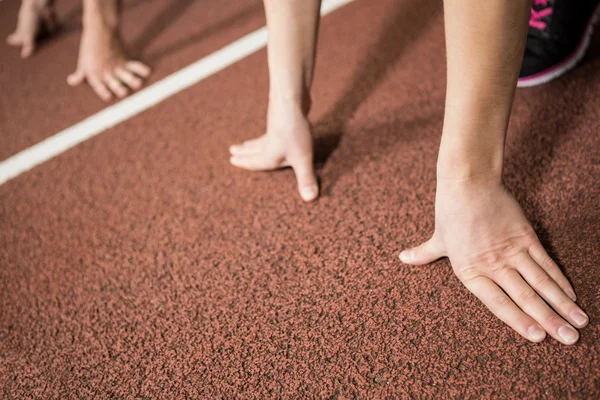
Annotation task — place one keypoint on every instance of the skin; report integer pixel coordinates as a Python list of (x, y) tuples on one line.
[(102, 60), (34, 16), (479, 226), (288, 141), (491, 245)]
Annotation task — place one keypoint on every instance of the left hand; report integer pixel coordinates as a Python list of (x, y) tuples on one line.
[(496, 254), (35, 17)]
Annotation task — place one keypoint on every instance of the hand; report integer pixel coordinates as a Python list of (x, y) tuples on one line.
[(102, 62), (498, 257), (287, 143), (34, 16)]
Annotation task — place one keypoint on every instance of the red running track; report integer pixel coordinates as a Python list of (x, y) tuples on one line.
[(141, 265)]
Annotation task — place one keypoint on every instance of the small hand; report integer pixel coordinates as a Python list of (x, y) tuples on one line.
[(495, 252), (34, 16), (287, 143), (103, 63)]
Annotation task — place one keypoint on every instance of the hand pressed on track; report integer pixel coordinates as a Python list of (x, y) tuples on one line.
[(495, 252), (34, 17), (287, 143), (103, 64)]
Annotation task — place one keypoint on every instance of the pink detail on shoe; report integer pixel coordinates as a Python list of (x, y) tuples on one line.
[(536, 16), (569, 62)]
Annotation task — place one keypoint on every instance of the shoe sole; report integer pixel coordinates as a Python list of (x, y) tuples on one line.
[(568, 63)]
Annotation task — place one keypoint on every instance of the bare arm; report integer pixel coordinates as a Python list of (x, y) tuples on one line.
[(293, 27), (479, 225)]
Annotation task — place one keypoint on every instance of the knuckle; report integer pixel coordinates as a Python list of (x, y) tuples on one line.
[(566, 304), (500, 301), (548, 263), (527, 296), (553, 320), (542, 280), (492, 258), (468, 274), (499, 272)]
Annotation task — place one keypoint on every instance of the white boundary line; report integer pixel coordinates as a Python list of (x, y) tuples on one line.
[(140, 101)]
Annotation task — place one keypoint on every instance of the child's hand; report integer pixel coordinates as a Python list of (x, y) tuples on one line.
[(103, 63), (34, 15), (498, 257)]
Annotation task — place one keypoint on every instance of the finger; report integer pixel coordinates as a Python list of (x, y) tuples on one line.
[(538, 279), (541, 257), (254, 143), (247, 148), (28, 48), (115, 86), (14, 40), (100, 89), (139, 68), (529, 301), (305, 176), (426, 253), (76, 78), (502, 306), (128, 78), (255, 163), (240, 150)]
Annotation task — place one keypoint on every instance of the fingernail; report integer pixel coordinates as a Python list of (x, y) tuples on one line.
[(568, 334), (406, 255), (536, 333), (308, 193), (579, 317), (569, 292)]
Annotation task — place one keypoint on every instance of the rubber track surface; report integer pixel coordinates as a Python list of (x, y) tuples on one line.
[(141, 265)]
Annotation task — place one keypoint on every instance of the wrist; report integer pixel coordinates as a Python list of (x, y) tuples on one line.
[(469, 166), (297, 100), (470, 153), (100, 14), (468, 185)]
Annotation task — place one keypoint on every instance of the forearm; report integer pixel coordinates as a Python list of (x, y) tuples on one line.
[(101, 14), (485, 43), (293, 27)]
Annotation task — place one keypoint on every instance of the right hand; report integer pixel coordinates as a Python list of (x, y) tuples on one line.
[(102, 62)]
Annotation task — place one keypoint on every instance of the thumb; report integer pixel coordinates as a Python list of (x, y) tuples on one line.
[(28, 48), (75, 78), (13, 39), (426, 253), (305, 175)]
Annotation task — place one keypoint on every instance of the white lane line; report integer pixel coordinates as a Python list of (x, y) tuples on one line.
[(140, 101)]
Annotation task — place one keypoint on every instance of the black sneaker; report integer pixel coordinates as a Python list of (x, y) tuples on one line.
[(559, 35)]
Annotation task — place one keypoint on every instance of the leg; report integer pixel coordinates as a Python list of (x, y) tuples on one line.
[(102, 60), (293, 27), (34, 17), (479, 225)]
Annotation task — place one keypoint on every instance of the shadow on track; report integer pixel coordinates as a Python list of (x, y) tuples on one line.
[(398, 31), (206, 31)]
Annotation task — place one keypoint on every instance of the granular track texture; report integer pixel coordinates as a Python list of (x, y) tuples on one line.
[(141, 265)]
